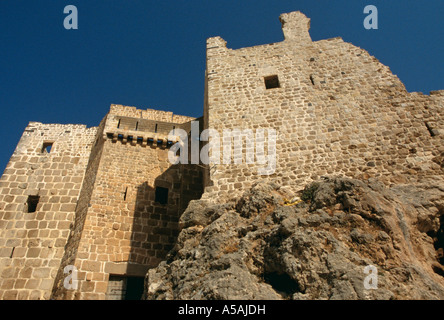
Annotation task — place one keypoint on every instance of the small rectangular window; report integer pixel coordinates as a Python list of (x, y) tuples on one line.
[(32, 203), (118, 124), (47, 146), (155, 129), (271, 82), (161, 195)]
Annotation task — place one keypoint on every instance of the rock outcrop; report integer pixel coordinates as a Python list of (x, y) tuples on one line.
[(261, 246)]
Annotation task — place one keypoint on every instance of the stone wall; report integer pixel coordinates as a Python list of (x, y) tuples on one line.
[(124, 230), (91, 202), (32, 243), (337, 111), (71, 248), (148, 114)]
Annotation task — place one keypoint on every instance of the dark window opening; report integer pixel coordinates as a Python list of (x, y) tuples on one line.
[(125, 193), (125, 288), (155, 129), (47, 146), (137, 125), (271, 82), (32, 203), (161, 195), (118, 124), (12, 252)]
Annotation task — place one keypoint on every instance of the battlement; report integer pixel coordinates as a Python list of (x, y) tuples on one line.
[(295, 26), (148, 114), (62, 138), (132, 125)]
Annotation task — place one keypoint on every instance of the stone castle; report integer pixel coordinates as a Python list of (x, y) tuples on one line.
[(106, 201)]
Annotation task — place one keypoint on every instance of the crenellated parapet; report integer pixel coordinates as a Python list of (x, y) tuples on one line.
[(145, 127)]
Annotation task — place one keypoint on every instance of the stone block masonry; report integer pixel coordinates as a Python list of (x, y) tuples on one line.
[(336, 109), (106, 201), (89, 198), (40, 188), (129, 220)]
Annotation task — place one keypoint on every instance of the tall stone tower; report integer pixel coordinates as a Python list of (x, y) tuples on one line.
[(336, 110), (103, 203), (40, 189)]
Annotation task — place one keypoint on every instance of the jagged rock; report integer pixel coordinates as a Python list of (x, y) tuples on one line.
[(258, 248)]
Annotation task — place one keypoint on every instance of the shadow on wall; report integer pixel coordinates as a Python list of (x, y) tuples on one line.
[(155, 226)]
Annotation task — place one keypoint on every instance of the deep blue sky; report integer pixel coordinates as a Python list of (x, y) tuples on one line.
[(151, 54)]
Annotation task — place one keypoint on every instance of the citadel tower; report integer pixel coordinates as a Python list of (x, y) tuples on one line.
[(107, 201)]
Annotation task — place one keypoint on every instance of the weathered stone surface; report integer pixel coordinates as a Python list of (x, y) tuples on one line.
[(94, 201), (312, 250), (337, 111)]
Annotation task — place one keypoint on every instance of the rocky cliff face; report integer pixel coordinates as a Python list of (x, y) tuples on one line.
[(259, 246)]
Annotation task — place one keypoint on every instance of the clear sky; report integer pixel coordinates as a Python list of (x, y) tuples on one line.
[(151, 54)]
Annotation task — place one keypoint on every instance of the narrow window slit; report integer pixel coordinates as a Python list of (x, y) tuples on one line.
[(125, 193), (118, 124), (312, 80)]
